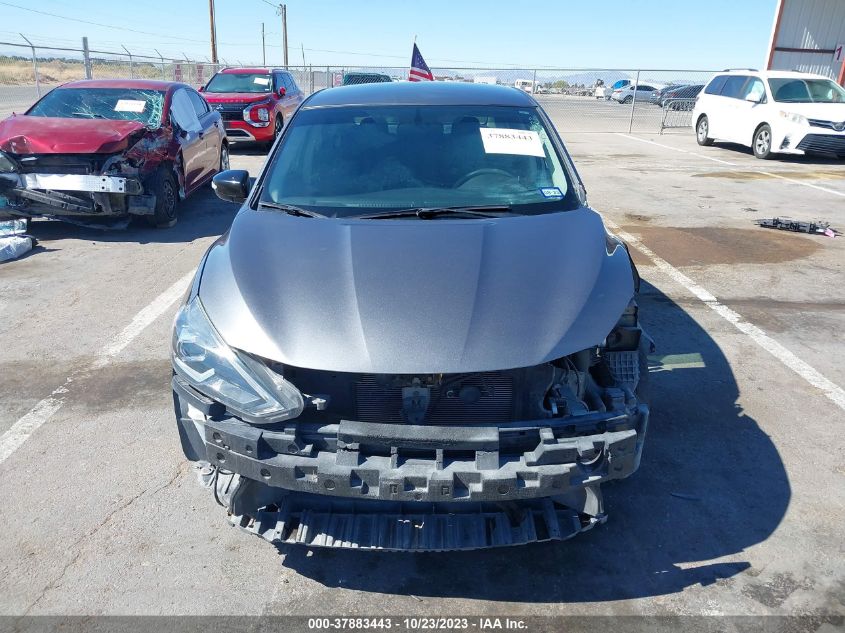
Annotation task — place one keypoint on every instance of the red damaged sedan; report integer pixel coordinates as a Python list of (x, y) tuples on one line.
[(108, 149)]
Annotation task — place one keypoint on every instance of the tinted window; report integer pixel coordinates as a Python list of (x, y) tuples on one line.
[(733, 86), (292, 84), (200, 106), (647, 88), (806, 91), (418, 156), (126, 104), (239, 82), (715, 86)]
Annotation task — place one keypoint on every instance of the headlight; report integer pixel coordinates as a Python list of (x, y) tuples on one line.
[(7, 165), (794, 117), (244, 385)]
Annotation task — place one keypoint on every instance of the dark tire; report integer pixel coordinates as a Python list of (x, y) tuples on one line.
[(163, 185), (277, 129), (702, 131), (224, 157), (628, 100), (762, 142)]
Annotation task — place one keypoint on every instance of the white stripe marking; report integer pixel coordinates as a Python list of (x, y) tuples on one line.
[(724, 162), (676, 149), (790, 360), (805, 184), (21, 430)]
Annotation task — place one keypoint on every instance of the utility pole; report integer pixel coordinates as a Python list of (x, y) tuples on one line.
[(213, 32), (263, 50), (284, 11)]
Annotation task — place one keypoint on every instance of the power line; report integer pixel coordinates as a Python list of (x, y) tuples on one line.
[(111, 26)]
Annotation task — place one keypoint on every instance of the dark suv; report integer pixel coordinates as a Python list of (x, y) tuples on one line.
[(253, 102)]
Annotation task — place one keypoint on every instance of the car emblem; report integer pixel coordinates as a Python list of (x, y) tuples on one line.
[(218, 107)]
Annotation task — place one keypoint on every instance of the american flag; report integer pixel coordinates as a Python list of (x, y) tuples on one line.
[(419, 69)]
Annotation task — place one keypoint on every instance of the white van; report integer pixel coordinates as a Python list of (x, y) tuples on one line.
[(772, 112)]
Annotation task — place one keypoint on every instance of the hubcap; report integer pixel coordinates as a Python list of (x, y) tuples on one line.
[(763, 140), (169, 198), (224, 159), (702, 130)]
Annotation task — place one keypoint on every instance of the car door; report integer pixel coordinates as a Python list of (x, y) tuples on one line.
[(751, 103), (191, 138), (731, 128), (293, 95), (211, 134)]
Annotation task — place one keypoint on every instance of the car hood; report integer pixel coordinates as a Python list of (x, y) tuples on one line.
[(21, 134), (415, 296), (824, 111), (235, 97)]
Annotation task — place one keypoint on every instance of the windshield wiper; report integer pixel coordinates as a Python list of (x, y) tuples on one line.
[(429, 213), (290, 209)]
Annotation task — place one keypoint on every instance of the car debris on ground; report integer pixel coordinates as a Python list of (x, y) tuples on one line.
[(13, 239), (797, 226)]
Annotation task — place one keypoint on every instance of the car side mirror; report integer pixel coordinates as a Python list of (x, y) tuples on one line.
[(282, 92), (231, 185), (201, 89)]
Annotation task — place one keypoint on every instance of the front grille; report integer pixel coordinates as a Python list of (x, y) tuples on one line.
[(60, 164), (823, 144), (378, 403), (230, 111), (839, 126)]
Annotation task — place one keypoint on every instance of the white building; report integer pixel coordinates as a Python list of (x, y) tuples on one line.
[(809, 36)]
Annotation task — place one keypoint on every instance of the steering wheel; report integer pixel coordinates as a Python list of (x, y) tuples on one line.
[(485, 171)]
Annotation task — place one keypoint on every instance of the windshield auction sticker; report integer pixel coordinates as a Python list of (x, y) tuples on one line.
[(129, 105), (504, 141)]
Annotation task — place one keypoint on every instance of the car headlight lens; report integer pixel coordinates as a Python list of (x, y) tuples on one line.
[(7, 165), (794, 117), (239, 382)]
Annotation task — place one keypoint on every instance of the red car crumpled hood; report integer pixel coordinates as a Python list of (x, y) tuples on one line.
[(236, 97), (21, 134)]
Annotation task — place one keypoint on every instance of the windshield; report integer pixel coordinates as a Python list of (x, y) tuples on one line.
[(239, 82), (806, 91), (117, 104), (354, 160)]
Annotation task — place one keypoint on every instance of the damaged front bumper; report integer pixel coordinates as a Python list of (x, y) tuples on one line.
[(36, 194), (410, 487)]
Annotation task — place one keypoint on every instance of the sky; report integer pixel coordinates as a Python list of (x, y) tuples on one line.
[(654, 34)]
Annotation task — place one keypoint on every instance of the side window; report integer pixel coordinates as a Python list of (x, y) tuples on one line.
[(716, 85), (278, 81), (754, 88), (733, 87), (200, 104), (292, 87), (183, 112)]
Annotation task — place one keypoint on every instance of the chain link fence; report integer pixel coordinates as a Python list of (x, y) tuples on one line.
[(577, 100)]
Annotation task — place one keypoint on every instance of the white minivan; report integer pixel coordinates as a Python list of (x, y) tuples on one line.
[(772, 112)]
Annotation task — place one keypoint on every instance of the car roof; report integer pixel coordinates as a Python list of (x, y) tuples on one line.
[(253, 71), (420, 93), (141, 84), (773, 74)]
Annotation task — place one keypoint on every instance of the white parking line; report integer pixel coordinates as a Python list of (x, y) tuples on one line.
[(841, 194), (675, 149), (830, 389), (21, 430)]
